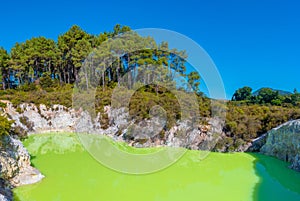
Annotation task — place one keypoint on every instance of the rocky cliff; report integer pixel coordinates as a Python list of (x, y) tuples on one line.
[(15, 169), (283, 142), (118, 125)]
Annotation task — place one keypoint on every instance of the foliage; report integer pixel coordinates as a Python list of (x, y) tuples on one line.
[(29, 60), (242, 94), (46, 81), (2, 105), (194, 80), (266, 96), (5, 125), (27, 87), (58, 95), (247, 122), (4, 63)]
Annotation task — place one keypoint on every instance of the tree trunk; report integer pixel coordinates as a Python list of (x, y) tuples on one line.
[(3, 82), (118, 67), (69, 73), (65, 75), (103, 81), (129, 72), (86, 79), (76, 74), (49, 66)]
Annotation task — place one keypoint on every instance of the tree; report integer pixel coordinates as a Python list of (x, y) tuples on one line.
[(267, 95), (74, 46), (46, 81), (4, 64), (29, 60), (141, 58), (242, 94), (295, 98), (18, 64), (79, 54), (194, 80)]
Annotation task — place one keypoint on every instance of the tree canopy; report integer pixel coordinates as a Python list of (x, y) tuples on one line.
[(244, 93), (118, 52), (266, 96)]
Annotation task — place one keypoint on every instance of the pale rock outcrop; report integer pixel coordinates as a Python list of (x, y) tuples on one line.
[(120, 126), (15, 163), (283, 142), (15, 166), (4, 198)]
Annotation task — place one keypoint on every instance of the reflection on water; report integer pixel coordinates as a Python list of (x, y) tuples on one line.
[(277, 181), (75, 175)]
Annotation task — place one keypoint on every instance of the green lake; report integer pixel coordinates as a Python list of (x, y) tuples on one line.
[(72, 174)]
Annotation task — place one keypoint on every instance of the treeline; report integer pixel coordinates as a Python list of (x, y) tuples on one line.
[(40, 56), (61, 61), (266, 96), (30, 60)]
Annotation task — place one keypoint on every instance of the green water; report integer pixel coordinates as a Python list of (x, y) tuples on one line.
[(72, 174)]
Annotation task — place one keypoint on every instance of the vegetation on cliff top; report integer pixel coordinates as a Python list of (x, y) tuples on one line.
[(266, 96)]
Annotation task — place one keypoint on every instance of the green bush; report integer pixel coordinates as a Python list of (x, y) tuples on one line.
[(27, 87), (46, 81), (5, 125), (60, 95), (2, 105), (247, 122)]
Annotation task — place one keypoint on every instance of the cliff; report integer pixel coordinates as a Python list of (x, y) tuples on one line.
[(283, 142), (15, 169), (118, 125)]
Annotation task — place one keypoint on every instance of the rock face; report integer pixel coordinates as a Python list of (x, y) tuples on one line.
[(257, 143), (5, 191), (283, 143), (39, 119), (15, 169)]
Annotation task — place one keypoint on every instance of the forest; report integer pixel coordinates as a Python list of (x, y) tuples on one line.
[(61, 61)]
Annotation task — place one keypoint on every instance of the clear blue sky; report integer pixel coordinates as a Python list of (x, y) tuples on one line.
[(252, 42)]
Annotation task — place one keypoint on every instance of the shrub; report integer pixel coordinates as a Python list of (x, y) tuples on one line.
[(5, 125), (2, 105), (46, 81), (20, 132), (25, 121), (250, 121), (27, 87)]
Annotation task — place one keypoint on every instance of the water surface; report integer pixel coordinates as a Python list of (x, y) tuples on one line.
[(72, 174)]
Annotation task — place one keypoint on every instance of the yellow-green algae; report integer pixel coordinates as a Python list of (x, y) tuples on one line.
[(73, 174)]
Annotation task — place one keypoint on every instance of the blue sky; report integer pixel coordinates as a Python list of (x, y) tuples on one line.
[(254, 43)]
